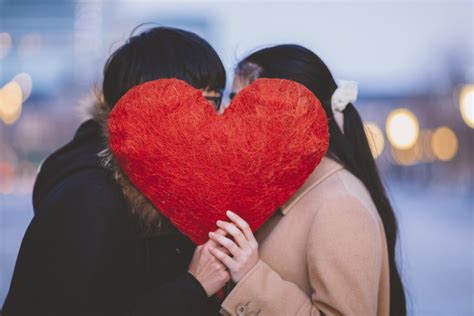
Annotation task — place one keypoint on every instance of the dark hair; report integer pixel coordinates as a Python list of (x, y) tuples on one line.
[(350, 148), (162, 52)]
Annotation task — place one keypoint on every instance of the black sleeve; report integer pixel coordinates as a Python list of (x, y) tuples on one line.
[(182, 296), (72, 260)]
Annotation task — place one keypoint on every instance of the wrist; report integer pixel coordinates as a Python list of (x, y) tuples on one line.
[(201, 284), (248, 269)]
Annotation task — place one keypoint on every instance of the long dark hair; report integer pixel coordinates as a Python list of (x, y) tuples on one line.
[(350, 147), (162, 52)]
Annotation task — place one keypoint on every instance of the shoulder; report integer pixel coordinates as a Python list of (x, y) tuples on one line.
[(345, 224), (343, 194), (88, 200), (86, 186), (340, 209)]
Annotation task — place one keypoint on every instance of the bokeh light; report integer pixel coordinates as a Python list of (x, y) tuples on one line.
[(26, 84), (425, 151), (402, 129), (467, 105), (5, 44), (30, 44), (444, 143), (375, 138), (11, 99), (406, 157), (63, 45), (7, 177)]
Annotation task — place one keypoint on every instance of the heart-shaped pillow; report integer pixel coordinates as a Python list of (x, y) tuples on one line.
[(194, 165)]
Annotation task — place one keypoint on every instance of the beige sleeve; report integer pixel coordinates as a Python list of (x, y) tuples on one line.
[(344, 257)]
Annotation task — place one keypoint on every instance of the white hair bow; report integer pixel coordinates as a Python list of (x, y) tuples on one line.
[(345, 93)]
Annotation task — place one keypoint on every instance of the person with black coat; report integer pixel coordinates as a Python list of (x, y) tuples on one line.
[(95, 245)]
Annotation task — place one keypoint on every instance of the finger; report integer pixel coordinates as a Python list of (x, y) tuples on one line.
[(223, 257), (217, 264), (220, 231), (242, 224), (223, 249), (213, 243), (197, 251), (232, 230), (227, 243)]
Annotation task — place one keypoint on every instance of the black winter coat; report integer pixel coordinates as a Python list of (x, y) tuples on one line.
[(83, 255)]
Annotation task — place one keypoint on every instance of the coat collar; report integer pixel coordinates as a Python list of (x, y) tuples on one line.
[(150, 220), (326, 168)]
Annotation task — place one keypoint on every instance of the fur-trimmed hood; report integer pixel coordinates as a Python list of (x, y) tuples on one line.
[(150, 219)]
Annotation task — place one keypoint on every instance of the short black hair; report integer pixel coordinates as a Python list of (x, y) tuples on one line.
[(162, 52)]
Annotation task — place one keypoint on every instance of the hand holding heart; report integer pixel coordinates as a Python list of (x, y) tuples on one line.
[(242, 251), (207, 269), (193, 164)]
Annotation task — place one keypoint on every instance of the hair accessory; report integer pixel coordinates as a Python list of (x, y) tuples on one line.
[(345, 93)]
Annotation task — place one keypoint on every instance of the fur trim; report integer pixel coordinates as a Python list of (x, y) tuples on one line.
[(150, 220)]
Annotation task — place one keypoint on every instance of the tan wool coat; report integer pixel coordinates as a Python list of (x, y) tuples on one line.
[(324, 253)]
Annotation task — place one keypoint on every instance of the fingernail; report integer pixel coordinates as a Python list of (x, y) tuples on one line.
[(229, 213), (211, 234), (218, 223)]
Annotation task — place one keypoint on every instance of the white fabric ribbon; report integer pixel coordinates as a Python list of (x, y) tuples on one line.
[(345, 93)]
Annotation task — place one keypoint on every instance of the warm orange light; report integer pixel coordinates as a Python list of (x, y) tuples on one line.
[(11, 99), (444, 143), (406, 157), (375, 138), (466, 105), (402, 129)]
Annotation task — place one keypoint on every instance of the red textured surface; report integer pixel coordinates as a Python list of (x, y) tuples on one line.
[(194, 164)]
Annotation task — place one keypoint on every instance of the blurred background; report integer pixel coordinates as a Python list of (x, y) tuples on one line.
[(413, 61)]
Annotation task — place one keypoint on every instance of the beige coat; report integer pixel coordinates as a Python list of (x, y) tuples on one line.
[(325, 253)]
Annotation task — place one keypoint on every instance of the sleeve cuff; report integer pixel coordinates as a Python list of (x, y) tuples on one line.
[(240, 299)]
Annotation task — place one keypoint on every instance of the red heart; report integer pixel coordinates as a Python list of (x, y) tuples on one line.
[(194, 164)]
